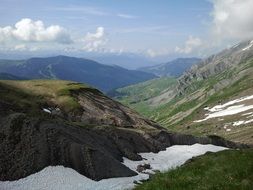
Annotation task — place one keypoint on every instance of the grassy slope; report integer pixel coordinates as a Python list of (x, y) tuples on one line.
[(226, 170), (179, 113), (136, 96), (35, 93)]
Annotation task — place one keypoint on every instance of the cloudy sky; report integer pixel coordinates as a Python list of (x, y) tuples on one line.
[(154, 28)]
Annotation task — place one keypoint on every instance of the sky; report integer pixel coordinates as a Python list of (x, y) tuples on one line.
[(151, 28)]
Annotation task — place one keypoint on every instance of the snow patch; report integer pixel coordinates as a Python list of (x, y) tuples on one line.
[(51, 110), (46, 110), (237, 123), (227, 109), (232, 110), (245, 114), (248, 46), (222, 106), (207, 108), (62, 178)]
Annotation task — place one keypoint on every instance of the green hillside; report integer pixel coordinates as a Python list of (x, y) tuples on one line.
[(34, 94), (138, 96), (217, 80), (229, 169)]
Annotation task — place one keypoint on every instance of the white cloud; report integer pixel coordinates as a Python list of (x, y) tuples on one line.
[(126, 16), (27, 30), (191, 44), (95, 41), (232, 19), (156, 53), (20, 47)]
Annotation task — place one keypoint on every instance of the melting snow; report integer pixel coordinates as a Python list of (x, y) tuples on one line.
[(61, 178), (220, 107), (227, 108), (245, 114), (46, 110), (237, 123)]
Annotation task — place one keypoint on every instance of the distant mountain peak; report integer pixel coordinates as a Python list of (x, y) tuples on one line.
[(173, 68), (103, 77)]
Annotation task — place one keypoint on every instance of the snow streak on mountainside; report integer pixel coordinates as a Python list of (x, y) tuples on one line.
[(220, 78)]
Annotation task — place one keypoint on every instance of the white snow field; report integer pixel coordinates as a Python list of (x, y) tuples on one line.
[(227, 109), (61, 178)]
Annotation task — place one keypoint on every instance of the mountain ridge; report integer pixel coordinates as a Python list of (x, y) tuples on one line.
[(174, 68), (101, 76), (223, 77)]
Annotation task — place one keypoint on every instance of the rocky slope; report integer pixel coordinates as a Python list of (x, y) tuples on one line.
[(234, 58), (45, 123), (215, 81)]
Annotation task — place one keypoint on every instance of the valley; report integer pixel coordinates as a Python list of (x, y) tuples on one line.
[(218, 79), (126, 95), (68, 124), (73, 127), (79, 127)]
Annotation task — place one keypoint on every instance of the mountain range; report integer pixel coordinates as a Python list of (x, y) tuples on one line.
[(46, 123), (174, 68), (103, 77)]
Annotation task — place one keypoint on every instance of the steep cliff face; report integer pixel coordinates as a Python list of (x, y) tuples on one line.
[(45, 123), (228, 60)]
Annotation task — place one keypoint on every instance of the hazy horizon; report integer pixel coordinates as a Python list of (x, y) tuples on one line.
[(153, 32)]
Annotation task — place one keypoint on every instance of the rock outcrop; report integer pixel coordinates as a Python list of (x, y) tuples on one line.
[(228, 59), (92, 141)]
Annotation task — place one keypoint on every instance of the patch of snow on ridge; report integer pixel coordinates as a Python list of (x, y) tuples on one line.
[(222, 106), (245, 114), (227, 109), (237, 123), (249, 46), (46, 110), (61, 178), (232, 110)]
